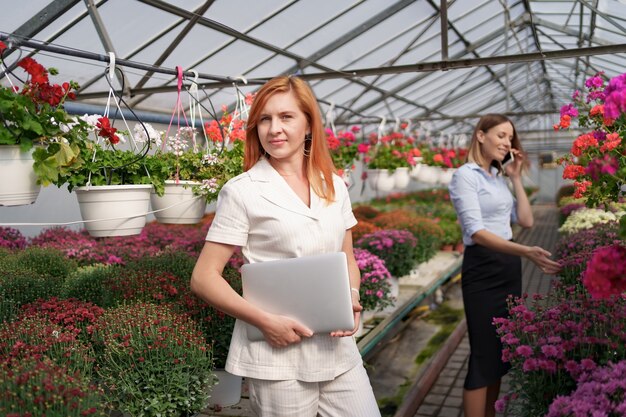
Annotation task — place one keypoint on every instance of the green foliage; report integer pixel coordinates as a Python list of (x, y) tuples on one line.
[(216, 326), (39, 387), (20, 285), (386, 157), (9, 309), (451, 232), (90, 283), (154, 362), (45, 261), (195, 166), (105, 167), (176, 263)]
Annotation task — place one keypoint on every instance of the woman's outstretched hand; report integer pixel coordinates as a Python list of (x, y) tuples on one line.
[(541, 258)]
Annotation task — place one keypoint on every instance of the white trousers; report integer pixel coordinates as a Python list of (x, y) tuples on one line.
[(348, 395)]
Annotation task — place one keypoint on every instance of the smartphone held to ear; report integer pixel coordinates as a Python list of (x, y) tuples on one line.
[(508, 158)]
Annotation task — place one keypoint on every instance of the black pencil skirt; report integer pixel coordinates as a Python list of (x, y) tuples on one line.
[(487, 279)]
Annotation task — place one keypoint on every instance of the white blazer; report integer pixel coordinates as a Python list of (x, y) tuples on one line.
[(258, 211)]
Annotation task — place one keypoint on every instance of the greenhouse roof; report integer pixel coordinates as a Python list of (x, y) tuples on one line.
[(438, 64)]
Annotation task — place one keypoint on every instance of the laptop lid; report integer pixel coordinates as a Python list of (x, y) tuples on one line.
[(315, 290)]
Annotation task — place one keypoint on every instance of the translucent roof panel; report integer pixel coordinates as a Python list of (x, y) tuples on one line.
[(371, 58)]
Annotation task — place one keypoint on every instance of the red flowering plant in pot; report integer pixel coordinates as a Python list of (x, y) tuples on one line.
[(33, 117), (343, 148)]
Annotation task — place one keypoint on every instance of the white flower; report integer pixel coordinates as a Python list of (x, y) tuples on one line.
[(586, 218), (176, 144), (91, 120), (209, 185), (149, 133), (210, 159)]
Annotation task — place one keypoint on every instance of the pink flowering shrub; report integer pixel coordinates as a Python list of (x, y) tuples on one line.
[(575, 250), (154, 362), (36, 336), (77, 317), (605, 274), (154, 239), (552, 341), (46, 389), (395, 247), (11, 238), (599, 392), (375, 290)]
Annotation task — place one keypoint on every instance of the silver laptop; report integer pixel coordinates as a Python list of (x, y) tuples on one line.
[(315, 290)]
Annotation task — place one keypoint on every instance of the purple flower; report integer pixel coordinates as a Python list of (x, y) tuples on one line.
[(569, 110), (595, 82), (615, 93), (600, 135), (598, 393), (605, 165)]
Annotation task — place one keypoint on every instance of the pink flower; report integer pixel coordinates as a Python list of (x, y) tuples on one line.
[(524, 350), (606, 272)]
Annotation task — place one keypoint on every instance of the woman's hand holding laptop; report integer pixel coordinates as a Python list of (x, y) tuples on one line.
[(357, 308), (280, 331)]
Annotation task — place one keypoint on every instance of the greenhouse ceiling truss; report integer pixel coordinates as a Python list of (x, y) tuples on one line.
[(440, 64)]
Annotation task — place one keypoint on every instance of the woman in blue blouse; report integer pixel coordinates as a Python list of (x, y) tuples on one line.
[(492, 261)]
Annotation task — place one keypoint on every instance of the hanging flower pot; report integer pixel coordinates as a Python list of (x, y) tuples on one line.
[(415, 171), (429, 174), (445, 175), (178, 205), (381, 180), (227, 390), (19, 183), (401, 178), (114, 210)]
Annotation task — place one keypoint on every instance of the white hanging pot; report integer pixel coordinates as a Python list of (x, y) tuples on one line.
[(401, 178), (18, 186), (347, 177), (227, 390), (381, 180), (416, 170), (114, 210), (428, 174), (178, 205), (445, 175)]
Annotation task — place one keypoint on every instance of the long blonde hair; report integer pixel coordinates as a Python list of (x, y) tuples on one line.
[(488, 121), (319, 164)]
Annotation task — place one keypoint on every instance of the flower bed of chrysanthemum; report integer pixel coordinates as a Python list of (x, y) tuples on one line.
[(114, 320)]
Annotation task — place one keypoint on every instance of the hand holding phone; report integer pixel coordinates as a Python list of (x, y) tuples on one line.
[(510, 157)]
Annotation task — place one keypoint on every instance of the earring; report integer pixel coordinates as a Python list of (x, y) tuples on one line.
[(307, 139)]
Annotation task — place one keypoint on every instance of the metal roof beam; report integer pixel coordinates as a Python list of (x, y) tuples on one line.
[(567, 31), (168, 51), (533, 28), (594, 9), (40, 21), (457, 56), (106, 40), (432, 19), (467, 43), (421, 67)]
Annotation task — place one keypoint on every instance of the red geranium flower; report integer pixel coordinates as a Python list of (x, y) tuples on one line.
[(107, 131)]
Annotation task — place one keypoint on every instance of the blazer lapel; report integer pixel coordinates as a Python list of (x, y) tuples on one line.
[(275, 189)]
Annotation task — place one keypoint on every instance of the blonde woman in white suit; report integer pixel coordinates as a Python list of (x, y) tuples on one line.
[(288, 203)]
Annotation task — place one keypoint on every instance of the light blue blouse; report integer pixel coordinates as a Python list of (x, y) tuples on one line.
[(482, 202)]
